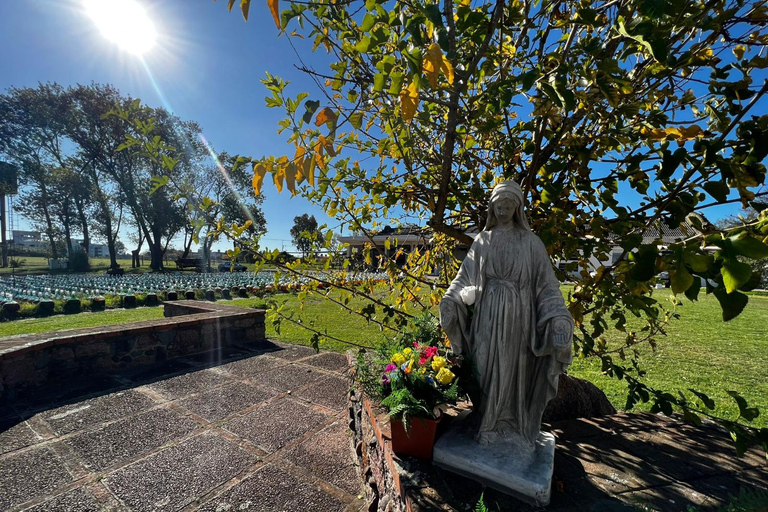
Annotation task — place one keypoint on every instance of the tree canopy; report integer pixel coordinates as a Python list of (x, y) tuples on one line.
[(616, 116)]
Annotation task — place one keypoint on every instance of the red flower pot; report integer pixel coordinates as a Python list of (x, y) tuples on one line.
[(418, 441)]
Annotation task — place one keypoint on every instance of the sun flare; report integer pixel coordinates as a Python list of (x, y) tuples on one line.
[(124, 22)]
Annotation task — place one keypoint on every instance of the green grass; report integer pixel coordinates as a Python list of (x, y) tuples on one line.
[(62, 322), (700, 351), (39, 265)]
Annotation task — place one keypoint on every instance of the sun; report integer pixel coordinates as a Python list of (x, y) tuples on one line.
[(124, 22)]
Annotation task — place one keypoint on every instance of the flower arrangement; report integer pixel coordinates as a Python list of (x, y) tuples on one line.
[(412, 376)]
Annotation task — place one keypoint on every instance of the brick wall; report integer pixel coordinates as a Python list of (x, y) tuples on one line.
[(190, 327), (384, 491)]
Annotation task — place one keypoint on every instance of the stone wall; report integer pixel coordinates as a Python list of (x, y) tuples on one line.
[(190, 327)]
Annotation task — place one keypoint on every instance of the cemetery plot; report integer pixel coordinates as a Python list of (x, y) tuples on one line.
[(87, 286)]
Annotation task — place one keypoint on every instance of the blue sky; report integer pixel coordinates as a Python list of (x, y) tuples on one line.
[(207, 65)]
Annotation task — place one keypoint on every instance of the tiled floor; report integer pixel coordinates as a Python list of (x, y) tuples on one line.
[(260, 430)]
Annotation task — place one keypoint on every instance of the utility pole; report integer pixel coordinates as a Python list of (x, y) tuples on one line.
[(8, 185)]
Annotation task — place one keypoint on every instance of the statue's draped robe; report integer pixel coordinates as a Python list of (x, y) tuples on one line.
[(509, 336)]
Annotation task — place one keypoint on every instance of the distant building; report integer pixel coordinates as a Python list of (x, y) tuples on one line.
[(94, 250), (402, 241), (31, 239)]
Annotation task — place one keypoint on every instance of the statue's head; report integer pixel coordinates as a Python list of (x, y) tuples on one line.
[(506, 205)]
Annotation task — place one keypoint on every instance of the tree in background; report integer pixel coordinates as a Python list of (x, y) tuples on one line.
[(76, 180), (305, 234), (425, 106)]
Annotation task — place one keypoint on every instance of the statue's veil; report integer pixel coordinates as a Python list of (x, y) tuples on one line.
[(512, 190)]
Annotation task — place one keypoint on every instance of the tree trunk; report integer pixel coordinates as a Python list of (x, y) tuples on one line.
[(83, 225), (49, 222), (107, 216)]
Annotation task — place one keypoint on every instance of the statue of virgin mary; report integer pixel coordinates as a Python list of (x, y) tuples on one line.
[(519, 336)]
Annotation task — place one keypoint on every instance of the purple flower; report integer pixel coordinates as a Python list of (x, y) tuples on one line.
[(390, 368), (385, 379)]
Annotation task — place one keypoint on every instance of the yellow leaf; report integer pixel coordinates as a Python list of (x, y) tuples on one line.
[(324, 116), (409, 102), (431, 64), (278, 176), (671, 131), (258, 177), (245, 5), (309, 170), (465, 3), (447, 68), (739, 52), (691, 132), (274, 8), (290, 178)]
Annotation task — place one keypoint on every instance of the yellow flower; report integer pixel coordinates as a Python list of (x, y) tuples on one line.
[(398, 359), (409, 367), (407, 352), (444, 376), (438, 363), (447, 342)]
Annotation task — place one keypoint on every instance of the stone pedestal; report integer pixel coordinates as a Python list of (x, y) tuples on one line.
[(504, 465)]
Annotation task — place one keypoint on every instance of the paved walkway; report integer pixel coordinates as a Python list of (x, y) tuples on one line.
[(257, 431)]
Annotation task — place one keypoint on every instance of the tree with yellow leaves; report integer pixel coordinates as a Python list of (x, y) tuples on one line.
[(617, 117)]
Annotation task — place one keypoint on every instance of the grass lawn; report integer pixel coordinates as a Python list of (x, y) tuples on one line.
[(39, 265), (701, 351), (61, 322)]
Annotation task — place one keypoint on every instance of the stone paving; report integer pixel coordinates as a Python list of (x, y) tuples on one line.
[(627, 462), (256, 430)]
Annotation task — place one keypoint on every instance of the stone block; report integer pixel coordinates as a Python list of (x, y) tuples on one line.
[(72, 307), (242, 292), (504, 465), (42, 358), (145, 341), (98, 304), (129, 301), (171, 296), (189, 294), (16, 371), (93, 348), (151, 300), (63, 353), (45, 308), (210, 295), (226, 294)]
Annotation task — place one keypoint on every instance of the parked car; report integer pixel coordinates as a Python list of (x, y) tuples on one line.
[(226, 266)]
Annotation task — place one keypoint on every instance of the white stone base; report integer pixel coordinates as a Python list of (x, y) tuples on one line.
[(506, 465)]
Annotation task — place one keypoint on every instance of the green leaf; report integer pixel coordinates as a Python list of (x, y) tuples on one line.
[(708, 402), (368, 23), (396, 83), (746, 412), (356, 120), (693, 291), (645, 263), (732, 304), (717, 189), (680, 279), (698, 262), (670, 162), (751, 248), (311, 107), (363, 45), (379, 79), (735, 274), (653, 8)]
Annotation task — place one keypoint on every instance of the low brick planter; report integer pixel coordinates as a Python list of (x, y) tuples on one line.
[(373, 446), (190, 327)]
